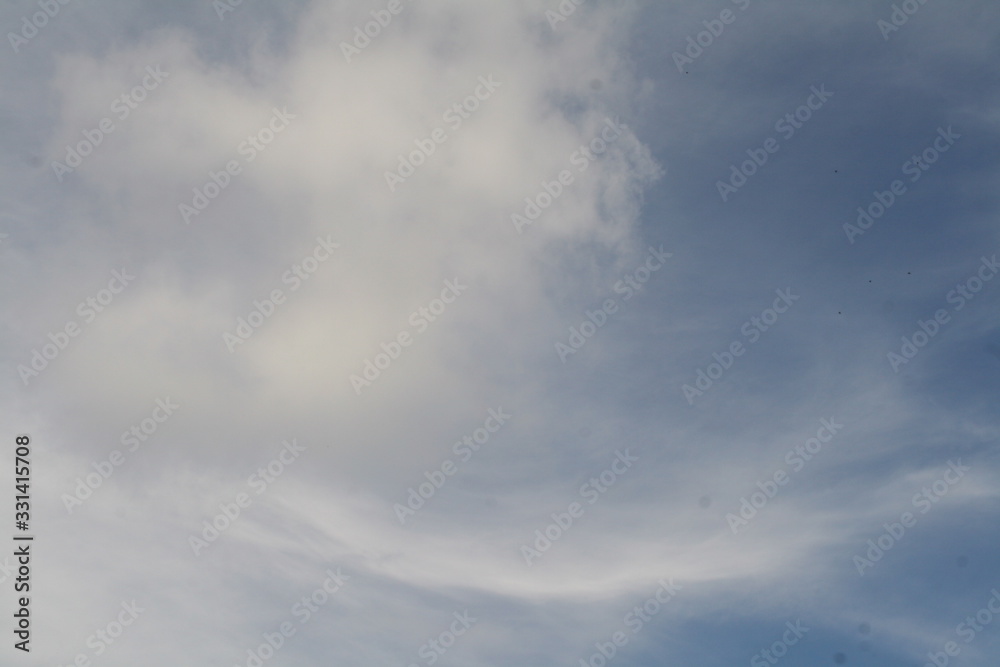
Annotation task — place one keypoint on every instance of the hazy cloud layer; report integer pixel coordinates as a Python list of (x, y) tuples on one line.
[(493, 315)]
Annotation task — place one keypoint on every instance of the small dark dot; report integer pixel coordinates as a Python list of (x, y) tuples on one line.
[(839, 658), (704, 502), (596, 84), (865, 628)]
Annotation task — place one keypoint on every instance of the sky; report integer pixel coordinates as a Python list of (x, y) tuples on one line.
[(501, 333)]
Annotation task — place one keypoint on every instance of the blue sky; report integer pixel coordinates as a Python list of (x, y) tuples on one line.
[(516, 312)]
